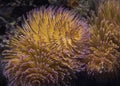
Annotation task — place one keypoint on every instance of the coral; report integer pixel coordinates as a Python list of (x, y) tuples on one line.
[(73, 3), (58, 2), (46, 49), (83, 7)]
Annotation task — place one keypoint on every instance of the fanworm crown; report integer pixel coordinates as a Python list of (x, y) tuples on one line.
[(110, 12), (105, 44), (45, 50), (103, 57)]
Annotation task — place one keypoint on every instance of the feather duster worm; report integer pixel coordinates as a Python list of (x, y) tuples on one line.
[(109, 11), (45, 50), (104, 57), (105, 39)]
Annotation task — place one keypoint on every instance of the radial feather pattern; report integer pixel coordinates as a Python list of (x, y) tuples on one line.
[(104, 57), (109, 10), (46, 48), (105, 40)]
